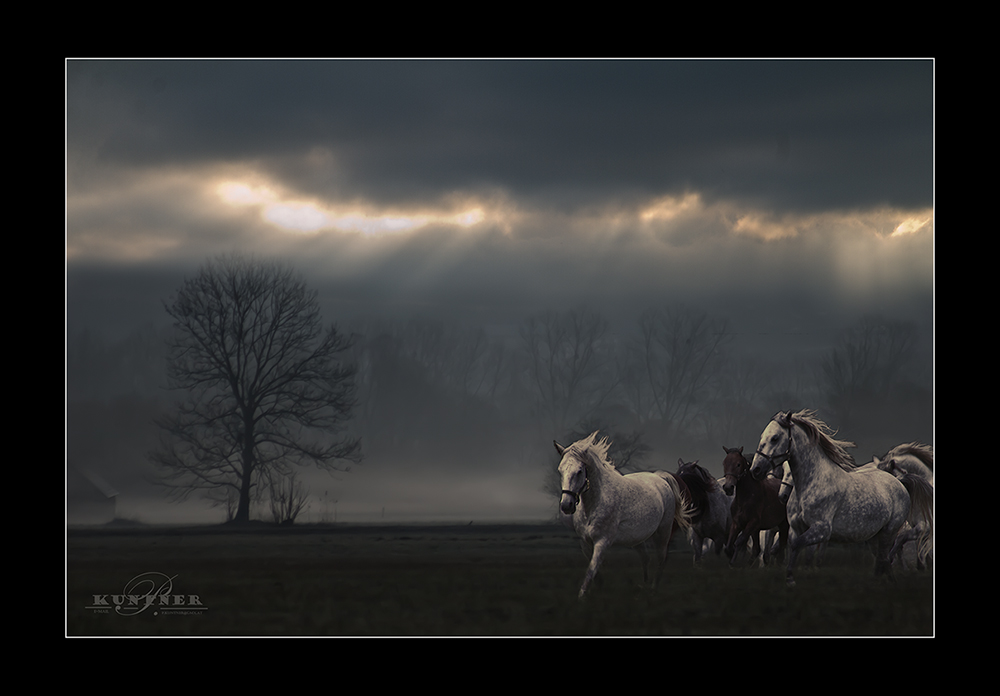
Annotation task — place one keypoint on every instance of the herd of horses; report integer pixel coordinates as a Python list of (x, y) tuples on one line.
[(799, 490)]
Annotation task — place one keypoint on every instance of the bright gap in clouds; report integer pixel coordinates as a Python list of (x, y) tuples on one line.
[(300, 216), (664, 213), (910, 225)]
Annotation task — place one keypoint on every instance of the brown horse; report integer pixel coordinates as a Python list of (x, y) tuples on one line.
[(756, 507)]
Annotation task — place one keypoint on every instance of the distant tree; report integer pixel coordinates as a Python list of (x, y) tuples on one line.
[(627, 447), (679, 349), (864, 369), (287, 497), (266, 387), (567, 365), (739, 406)]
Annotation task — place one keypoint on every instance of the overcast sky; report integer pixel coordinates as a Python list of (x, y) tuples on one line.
[(788, 195)]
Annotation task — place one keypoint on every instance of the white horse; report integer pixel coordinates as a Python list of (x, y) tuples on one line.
[(813, 553), (710, 508), (911, 458), (833, 499), (903, 462), (608, 508)]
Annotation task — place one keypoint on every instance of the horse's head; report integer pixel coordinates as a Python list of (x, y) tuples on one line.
[(774, 447), (734, 466), (889, 465), (684, 467), (572, 476)]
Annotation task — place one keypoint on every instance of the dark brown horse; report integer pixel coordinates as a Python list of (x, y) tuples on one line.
[(756, 507)]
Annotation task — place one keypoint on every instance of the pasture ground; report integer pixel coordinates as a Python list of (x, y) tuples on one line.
[(469, 580)]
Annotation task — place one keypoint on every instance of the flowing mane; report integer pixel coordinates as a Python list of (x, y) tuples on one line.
[(700, 484), (821, 434), (700, 475), (596, 450), (925, 453)]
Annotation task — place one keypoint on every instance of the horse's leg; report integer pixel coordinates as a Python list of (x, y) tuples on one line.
[(886, 541), (662, 540), (754, 546), (782, 540), (726, 544), (897, 548), (908, 534), (644, 557), (731, 549), (768, 546), (697, 541), (779, 539), (740, 544), (595, 562), (719, 543), (816, 534)]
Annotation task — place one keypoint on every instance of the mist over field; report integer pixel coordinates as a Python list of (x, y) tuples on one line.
[(722, 240)]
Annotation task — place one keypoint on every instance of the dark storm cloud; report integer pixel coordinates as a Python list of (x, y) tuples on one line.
[(801, 135)]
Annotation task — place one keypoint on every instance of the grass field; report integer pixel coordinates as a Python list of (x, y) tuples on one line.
[(473, 580)]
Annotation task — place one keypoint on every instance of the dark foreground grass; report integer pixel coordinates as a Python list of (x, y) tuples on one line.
[(466, 581)]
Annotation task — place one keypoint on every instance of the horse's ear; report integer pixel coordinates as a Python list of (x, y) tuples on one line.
[(741, 449), (559, 448), (726, 449), (680, 462)]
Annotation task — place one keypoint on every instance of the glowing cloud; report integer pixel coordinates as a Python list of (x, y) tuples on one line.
[(302, 216), (758, 225), (909, 226), (242, 194), (670, 207), (358, 222), (469, 218)]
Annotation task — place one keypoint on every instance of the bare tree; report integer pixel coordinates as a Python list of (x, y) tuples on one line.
[(266, 386), (867, 364), (566, 364), (287, 497), (627, 447), (744, 383), (679, 347)]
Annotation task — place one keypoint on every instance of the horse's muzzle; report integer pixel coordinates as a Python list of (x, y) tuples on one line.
[(568, 501), (760, 467), (729, 486)]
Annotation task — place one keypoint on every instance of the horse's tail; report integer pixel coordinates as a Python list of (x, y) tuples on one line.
[(683, 510), (921, 510)]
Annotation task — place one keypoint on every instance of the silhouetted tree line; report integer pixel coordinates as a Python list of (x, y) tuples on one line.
[(432, 389), (679, 376)]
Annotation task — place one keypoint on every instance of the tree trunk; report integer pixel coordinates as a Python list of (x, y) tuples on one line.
[(243, 511)]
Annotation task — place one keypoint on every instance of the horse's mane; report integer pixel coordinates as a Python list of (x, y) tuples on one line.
[(596, 450), (925, 453), (698, 474), (700, 483), (821, 434)]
